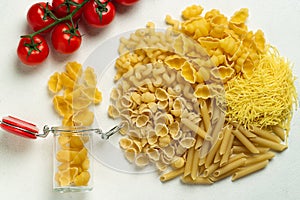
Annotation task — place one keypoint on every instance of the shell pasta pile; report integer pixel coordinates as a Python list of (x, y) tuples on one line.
[(204, 99)]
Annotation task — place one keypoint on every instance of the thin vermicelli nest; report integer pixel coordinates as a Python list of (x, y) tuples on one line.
[(267, 97)]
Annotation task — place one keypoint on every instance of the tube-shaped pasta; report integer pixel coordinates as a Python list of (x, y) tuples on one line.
[(211, 155), (204, 114), (194, 169), (171, 175), (279, 131), (229, 167), (227, 153), (188, 123), (199, 180), (249, 169), (226, 137), (259, 158), (245, 141), (189, 162), (265, 134), (267, 143)]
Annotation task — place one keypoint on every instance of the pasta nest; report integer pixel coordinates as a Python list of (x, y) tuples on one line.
[(267, 97)]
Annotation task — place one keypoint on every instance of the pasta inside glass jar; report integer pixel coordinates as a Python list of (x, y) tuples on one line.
[(73, 169)]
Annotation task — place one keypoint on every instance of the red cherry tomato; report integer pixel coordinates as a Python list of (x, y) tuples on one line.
[(99, 15), (126, 2), (65, 38), (33, 51), (38, 16), (64, 7)]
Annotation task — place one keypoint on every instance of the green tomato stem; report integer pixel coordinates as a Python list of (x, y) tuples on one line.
[(57, 20)]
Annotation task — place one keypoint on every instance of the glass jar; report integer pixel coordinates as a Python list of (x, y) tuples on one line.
[(72, 162)]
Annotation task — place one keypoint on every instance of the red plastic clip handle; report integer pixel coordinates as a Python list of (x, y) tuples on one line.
[(19, 127)]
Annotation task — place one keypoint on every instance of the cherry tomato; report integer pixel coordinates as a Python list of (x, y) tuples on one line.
[(64, 7), (99, 14), (38, 16), (65, 38), (33, 51), (126, 2)]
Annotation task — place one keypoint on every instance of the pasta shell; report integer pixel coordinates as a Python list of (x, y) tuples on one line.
[(130, 154), (142, 120), (174, 61), (202, 91), (187, 142), (136, 97), (152, 137), (162, 105), (148, 97), (141, 160), (161, 94), (240, 16), (174, 129), (153, 154), (113, 112), (152, 106), (161, 130), (125, 101), (164, 141), (125, 143), (223, 73), (115, 94), (169, 152), (188, 72)]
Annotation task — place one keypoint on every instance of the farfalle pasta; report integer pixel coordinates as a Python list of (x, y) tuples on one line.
[(79, 93), (74, 92)]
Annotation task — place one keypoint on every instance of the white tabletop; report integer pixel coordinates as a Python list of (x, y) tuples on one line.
[(26, 165)]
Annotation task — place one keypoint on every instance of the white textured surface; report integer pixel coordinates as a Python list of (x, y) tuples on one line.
[(26, 166)]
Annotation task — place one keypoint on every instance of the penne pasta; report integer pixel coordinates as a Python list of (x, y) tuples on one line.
[(198, 180), (245, 141), (227, 153), (210, 169), (204, 114), (259, 158), (267, 143), (229, 167), (279, 131), (265, 134), (243, 149), (211, 155), (226, 138), (171, 175), (249, 169), (194, 168), (188, 123), (189, 162)]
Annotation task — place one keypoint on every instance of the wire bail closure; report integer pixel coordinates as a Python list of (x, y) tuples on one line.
[(29, 130), (104, 135)]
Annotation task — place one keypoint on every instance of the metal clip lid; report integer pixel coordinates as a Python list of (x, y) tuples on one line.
[(19, 127), (29, 130)]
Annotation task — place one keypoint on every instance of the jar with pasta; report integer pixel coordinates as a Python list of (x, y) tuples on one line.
[(71, 159)]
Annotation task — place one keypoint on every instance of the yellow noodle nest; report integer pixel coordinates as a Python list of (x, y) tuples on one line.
[(243, 89), (267, 97)]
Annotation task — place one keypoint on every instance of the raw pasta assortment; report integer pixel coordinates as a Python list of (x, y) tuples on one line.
[(74, 92), (205, 99)]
